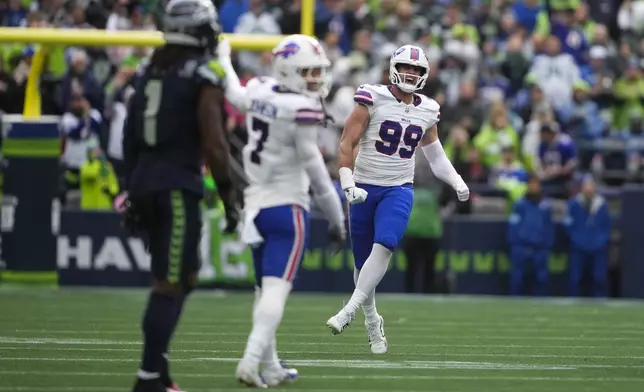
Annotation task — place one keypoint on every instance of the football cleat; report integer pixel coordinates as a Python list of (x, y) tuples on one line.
[(174, 388), (376, 334), (249, 375), (149, 386), (283, 374), (340, 321)]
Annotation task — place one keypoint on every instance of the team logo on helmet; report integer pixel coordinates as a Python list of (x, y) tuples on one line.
[(316, 49), (399, 51), (288, 50)]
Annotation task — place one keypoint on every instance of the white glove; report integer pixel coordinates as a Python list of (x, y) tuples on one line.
[(223, 51), (355, 195), (462, 191)]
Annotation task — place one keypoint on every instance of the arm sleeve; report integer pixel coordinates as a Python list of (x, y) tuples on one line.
[(441, 166), (312, 161)]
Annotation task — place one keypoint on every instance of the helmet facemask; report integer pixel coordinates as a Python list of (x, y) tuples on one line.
[(406, 81)]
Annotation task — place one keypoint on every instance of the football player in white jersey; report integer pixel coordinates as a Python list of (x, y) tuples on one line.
[(387, 124), (281, 160)]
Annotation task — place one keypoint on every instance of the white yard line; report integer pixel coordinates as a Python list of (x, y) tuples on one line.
[(537, 323), (355, 364), (186, 342), (341, 377), (363, 352), (310, 335)]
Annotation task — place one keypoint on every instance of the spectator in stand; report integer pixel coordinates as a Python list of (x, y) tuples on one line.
[(98, 183), (555, 73), (557, 159), (509, 175), (531, 233), (255, 21), (581, 117), (494, 135), (601, 77), (230, 12), (468, 110), (80, 80), (541, 116), (80, 129), (565, 27), (531, 15), (515, 64), (8, 92), (628, 94), (14, 15), (588, 224)]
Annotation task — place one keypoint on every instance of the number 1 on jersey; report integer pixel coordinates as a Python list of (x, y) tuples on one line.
[(391, 134), (153, 91), (262, 127)]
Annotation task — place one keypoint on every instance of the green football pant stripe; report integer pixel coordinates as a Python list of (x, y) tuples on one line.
[(176, 236)]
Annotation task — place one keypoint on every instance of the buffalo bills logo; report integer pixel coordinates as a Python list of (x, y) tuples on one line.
[(399, 51), (316, 49), (288, 50)]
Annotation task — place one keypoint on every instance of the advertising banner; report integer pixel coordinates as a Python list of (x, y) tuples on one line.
[(93, 249)]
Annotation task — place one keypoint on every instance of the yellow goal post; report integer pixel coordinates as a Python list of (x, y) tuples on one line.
[(45, 37)]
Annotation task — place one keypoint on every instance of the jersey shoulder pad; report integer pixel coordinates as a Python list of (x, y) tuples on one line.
[(428, 104), (366, 94), (211, 71), (307, 110)]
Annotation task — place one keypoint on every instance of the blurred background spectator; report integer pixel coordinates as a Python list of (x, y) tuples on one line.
[(551, 88)]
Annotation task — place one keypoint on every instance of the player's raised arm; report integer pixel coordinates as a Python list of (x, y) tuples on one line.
[(215, 147), (440, 164), (354, 127), (235, 92)]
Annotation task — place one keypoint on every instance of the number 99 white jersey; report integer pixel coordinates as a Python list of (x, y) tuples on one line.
[(394, 131), (275, 121)]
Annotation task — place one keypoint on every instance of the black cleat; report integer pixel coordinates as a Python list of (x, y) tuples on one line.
[(149, 386)]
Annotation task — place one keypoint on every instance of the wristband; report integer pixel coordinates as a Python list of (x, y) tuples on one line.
[(346, 178)]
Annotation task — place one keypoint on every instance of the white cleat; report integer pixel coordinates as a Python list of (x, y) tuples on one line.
[(376, 334), (249, 375), (339, 322), (284, 374)]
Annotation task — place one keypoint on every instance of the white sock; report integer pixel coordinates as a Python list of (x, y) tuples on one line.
[(270, 360), (266, 318), (143, 375), (369, 305), (373, 270)]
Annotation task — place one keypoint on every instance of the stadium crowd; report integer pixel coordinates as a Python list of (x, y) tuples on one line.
[(552, 90)]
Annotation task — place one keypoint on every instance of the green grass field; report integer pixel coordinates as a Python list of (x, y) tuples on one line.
[(89, 341)]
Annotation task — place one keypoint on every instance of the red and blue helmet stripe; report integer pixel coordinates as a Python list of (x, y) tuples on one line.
[(414, 54)]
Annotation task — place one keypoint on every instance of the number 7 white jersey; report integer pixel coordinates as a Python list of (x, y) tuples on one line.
[(275, 120), (394, 131)]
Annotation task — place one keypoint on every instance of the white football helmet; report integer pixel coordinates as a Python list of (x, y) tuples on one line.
[(410, 55), (300, 65)]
